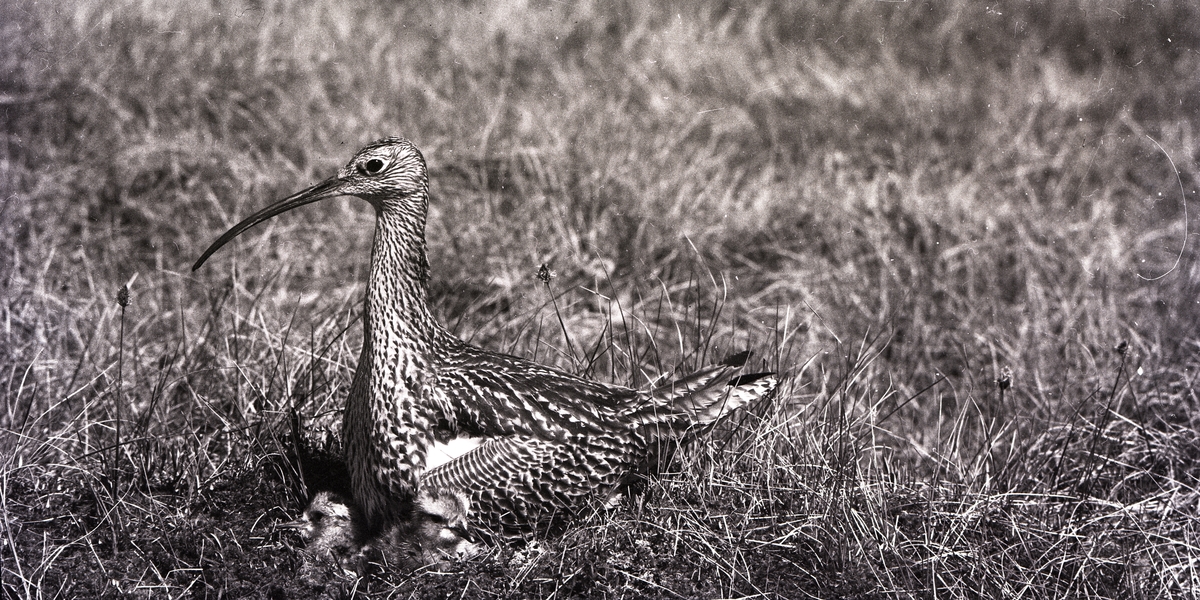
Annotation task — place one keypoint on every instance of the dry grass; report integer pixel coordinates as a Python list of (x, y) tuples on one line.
[(941, 220)]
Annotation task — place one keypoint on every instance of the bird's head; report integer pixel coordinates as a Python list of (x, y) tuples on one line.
[(441, 519), (389, 173), (390, 169), (327, 516)]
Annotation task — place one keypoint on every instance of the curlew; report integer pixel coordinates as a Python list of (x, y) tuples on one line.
[(551, 439), (434, 535), (325, 527)]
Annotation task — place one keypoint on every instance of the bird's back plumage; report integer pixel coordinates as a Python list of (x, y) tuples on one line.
[(561, 448)]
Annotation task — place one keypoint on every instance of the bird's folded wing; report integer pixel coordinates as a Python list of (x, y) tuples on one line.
[(520, 483)]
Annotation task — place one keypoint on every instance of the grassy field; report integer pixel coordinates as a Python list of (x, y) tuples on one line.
[(960, 229)]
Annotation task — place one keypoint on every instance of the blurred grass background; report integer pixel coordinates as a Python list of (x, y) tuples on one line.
[(896, 203)]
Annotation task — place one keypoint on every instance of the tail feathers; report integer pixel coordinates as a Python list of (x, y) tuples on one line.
[(748, 379), (717, 402), (710, 393), (670, 393)]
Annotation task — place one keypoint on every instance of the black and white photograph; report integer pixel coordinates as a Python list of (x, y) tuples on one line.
[(599, 299)]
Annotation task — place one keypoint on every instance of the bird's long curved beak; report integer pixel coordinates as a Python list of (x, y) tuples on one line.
[(326, 189)]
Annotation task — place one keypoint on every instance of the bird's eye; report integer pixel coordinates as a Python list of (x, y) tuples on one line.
[(437, 519), (316, 516), (371, 166)]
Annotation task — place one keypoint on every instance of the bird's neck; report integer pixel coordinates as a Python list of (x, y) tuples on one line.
[(387, 420), (397, 316)]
